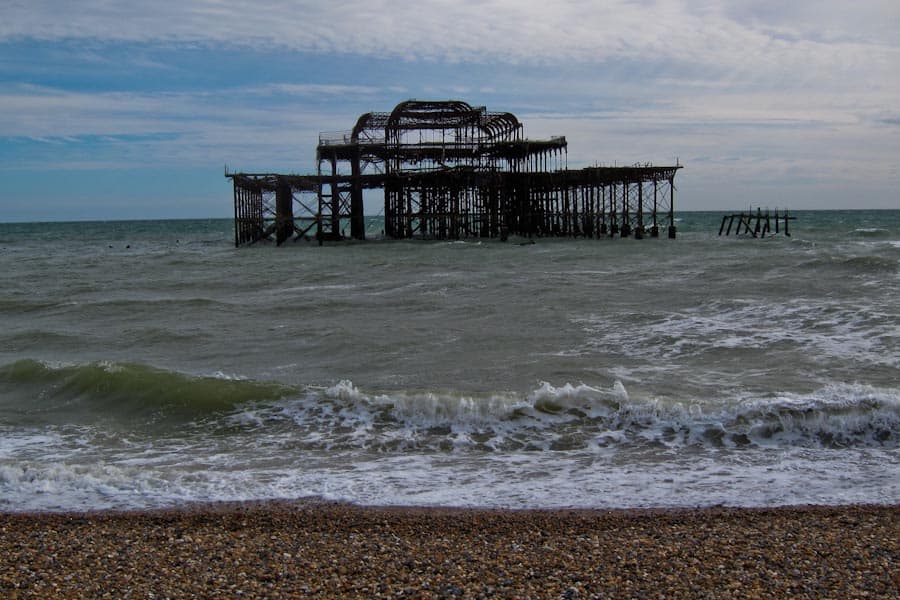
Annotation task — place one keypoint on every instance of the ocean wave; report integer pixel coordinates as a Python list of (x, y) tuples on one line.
[(836, 416), (717, 331), (35, 392), (571, 444), (61, 486), (872, 232), (860, 264), (573, 417), (149, 303), (342, 417), (24, 304), (870, 264)]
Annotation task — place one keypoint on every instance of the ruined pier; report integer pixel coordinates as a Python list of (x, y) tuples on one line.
[(756, 225), (448, 170)]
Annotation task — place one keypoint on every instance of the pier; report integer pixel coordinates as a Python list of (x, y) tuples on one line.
[(448, 170), (757, 225)]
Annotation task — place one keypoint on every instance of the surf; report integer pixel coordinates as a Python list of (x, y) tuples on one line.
[(36, 392)]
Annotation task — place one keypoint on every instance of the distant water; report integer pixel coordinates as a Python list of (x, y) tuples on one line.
[(145, 364)]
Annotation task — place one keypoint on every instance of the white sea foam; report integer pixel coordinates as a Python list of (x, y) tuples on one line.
[(819, 327), (431, 409), (228, 376), (15, 443), (627, 452), (60, 486), (344, 418), (522, 480), (345, 390)]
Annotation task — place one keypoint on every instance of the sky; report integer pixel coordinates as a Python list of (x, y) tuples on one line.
[(126, 109)]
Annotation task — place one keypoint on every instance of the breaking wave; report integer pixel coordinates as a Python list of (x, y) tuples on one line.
[(118, 435), (32, 392), (577, 417), (342, 417)]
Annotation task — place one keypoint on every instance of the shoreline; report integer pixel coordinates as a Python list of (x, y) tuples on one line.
[(317, 548), (311, 502)]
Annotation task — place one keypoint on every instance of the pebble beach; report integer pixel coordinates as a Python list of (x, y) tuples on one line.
[(329, 550)]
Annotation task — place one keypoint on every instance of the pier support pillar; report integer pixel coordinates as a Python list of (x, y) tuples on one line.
[(672, 208), (284, 212), (357, 208), (626, 216), (639, 230)]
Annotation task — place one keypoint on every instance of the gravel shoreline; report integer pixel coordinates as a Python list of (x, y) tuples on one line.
[(327, 550)]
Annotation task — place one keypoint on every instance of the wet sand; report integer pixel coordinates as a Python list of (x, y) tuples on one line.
[(327, 550)]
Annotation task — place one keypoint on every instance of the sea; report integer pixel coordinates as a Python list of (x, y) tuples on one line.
[(153, 364)]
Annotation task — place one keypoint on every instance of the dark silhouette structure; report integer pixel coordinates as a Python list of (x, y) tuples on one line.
[(757, 225), (449, 170)]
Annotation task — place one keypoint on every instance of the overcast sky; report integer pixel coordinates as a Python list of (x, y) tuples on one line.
[(132, 109)]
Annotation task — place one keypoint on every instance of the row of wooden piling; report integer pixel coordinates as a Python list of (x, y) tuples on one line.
[(756, 225), (594, 202)]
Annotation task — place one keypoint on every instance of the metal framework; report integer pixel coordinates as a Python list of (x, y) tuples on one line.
[(449, 170)]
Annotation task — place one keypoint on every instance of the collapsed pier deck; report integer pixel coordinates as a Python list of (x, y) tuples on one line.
[(448, 170)]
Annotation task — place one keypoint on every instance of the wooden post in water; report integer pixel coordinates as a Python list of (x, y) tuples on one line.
[(672, 208), (613, 218), (284, 211), (603, 230), (238, 216), (747, 222), (626, 225), (357, 208), (639, 230)]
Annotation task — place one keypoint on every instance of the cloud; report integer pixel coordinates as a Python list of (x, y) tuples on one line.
[(867, 22), (752, 39), (714, 60), (318, 89), (41, 111), (47, 127), (742, 90)]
